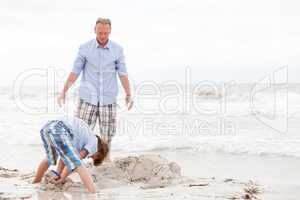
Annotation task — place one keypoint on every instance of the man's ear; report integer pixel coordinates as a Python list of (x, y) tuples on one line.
[(95, 29)]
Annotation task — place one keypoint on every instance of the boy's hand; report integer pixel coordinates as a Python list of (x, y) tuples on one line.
[(59, 181), (55, 174), (55, 177)]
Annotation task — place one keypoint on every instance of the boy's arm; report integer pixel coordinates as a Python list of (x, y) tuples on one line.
[(84, 176), (65, 173), (60, 166)]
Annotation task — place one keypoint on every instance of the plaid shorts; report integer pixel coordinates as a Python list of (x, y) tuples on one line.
[(56, 137), (105, 114)]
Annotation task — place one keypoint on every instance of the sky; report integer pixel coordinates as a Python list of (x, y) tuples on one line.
[(219, 40)]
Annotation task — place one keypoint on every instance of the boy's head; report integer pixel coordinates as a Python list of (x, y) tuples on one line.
[(102, 150)]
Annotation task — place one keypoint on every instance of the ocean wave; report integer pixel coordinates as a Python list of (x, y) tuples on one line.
[(217, 149), (234, 146)]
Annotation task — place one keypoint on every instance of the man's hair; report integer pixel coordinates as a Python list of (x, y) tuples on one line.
[(103, 21), (102, 150)]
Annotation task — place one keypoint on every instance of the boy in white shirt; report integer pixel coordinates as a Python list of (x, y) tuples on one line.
[(71, 139)]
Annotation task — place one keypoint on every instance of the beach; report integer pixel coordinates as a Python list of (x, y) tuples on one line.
[(220, 152), (213, 176)]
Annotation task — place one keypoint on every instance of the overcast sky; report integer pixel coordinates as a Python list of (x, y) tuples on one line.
[(220, 40)]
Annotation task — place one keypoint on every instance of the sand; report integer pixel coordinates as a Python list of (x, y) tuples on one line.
[(214, 162), (132, 177)]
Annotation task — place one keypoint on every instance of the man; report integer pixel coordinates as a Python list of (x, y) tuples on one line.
[(100, 60)]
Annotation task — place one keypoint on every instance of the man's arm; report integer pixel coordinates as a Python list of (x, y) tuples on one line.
[(70, 81), (126, 86), (78, 66), (123, 76)]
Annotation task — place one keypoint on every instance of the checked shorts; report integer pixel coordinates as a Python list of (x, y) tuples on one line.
[(104, 114)]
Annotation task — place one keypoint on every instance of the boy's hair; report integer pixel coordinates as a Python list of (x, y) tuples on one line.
[(102, 150)]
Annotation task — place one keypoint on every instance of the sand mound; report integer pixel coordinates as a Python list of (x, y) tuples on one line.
[(151, 171), (48, 185), (145, 171)]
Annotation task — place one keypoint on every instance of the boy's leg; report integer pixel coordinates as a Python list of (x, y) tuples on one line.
[(86, 178), (65, 149), (47, 140), (43, 167), (72, 161), (50, 151)]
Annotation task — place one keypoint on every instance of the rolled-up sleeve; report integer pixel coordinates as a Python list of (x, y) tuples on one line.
[(79, 62), (120, 64)]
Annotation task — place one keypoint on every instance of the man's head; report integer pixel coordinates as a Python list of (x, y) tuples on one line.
[(102, 30), (102, 150)]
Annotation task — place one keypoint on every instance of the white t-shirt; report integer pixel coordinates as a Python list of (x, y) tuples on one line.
[(83, 136)]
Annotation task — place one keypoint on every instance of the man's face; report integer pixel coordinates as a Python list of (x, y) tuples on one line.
[(102, 32)]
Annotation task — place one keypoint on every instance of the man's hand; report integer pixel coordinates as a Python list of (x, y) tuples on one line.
[(129, 102), (125, 83), (62, 96), (61, 99)]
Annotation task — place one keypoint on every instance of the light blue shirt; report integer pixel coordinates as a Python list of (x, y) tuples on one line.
[(83, 136), (99, 66)]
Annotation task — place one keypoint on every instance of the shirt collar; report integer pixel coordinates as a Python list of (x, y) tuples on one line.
[(107, 46)]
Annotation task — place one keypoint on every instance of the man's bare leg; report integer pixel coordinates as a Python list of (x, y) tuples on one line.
[(107, 158)]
